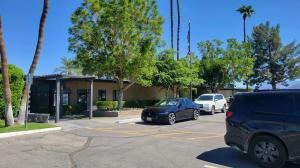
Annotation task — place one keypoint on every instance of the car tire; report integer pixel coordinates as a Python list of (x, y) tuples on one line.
[(171, 119), (268, 152), (196, 114), (213, 110), (224, 109)]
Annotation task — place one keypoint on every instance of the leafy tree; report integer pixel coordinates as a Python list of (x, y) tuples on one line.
[(117, 38), (21, 117), (69, 67), (172, 73), (166, 70), (16, 78), (9, 119), (246, 11), (275, 63), (239, 61), (219, 67), (188, 75)]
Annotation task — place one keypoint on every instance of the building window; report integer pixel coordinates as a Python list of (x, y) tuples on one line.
[(102, 95), (54, 100), (115, 95), (65, 99)]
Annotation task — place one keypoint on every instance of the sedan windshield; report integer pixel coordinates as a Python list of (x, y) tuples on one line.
[(206, 98), (167, 103)]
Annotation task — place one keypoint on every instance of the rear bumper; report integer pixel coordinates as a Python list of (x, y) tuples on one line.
[(160, 118), (230, 141)]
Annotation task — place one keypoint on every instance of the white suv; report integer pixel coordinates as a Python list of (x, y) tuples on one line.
[(211, 103)]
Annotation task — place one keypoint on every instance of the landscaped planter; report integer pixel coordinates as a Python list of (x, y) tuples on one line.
[(106, 113)]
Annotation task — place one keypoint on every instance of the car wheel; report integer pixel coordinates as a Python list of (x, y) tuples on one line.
[(268, 152), (213, 110), (196, 114), (224, 108), (172, 118)]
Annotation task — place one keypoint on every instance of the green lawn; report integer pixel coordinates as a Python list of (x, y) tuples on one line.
[(30, 126)]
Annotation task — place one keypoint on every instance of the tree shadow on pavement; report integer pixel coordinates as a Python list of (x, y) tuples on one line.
[(230, 157)]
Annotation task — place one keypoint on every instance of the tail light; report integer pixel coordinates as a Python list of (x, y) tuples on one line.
[(229, 114)]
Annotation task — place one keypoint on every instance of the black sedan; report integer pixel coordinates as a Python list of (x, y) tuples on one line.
[(171, 110)]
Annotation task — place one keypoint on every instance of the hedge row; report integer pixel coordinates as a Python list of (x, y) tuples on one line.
[(108, 105), (17, 82)]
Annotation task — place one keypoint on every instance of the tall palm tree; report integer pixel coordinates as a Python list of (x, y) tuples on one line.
[(178, 29), (172, 24), (246, 11), (34, 63), (9, 118)]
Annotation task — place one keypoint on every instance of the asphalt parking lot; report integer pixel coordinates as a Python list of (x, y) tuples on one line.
[(95, 143)]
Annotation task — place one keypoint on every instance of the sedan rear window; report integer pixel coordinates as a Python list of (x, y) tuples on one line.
[(206, 98), (167, 103)]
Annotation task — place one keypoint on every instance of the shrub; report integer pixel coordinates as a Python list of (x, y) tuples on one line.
[(17, 83), (75, 109), (71, 109), (107, 105)]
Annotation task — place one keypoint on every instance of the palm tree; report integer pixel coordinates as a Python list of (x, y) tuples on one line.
[(246, 11), (178, 29), (34, 63), (68, 67), (172, 24), (9, 118)]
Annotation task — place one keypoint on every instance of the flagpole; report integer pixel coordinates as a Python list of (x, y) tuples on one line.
[(190, 57)]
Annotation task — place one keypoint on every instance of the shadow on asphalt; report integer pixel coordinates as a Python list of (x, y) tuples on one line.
[(161, 124), (149, 123), (232, 158)]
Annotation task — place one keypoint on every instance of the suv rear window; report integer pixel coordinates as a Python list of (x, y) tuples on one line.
[(270, 103)]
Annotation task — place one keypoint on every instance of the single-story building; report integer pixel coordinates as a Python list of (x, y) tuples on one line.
[(78, 90)]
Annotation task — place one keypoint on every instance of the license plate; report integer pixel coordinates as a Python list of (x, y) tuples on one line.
[(149, 119)]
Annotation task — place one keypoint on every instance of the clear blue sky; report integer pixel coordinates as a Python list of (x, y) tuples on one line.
[(211, 19)]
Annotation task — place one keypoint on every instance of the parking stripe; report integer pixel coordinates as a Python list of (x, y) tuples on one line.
[(208, 166)]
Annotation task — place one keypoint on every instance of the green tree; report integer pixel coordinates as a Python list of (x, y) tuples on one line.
[(275, 63), (220, 68), (246, 11), (69, 67), (188, 75), (166, 71), (239, 61), (17, 82), (117, 38)]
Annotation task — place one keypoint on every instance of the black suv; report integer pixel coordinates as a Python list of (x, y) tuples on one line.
[(266, 126)]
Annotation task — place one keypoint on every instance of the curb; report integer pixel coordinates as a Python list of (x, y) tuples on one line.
[(19, 133), (131, 120)]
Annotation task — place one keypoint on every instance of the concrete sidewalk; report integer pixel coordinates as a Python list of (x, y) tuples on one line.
[(126, 116)]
